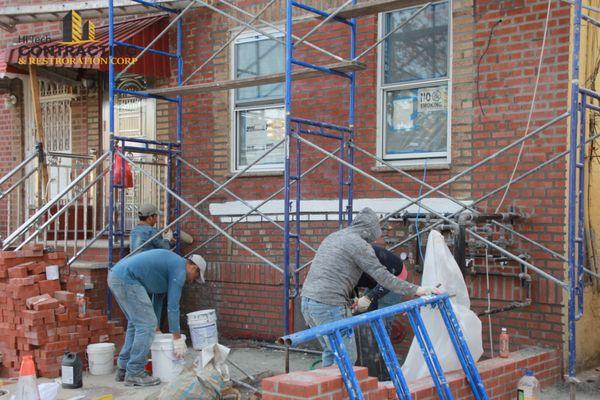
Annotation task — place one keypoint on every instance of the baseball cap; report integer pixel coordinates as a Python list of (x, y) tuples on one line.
[(147, 210), (201, 263)]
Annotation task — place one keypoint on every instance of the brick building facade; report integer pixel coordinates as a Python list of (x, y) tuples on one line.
[(488, 75)]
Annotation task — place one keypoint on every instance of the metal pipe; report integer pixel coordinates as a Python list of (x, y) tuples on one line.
[(16, 184), (111, 144), (59, 212), (156, 39), (227, 182), (347, 323), (69, 155), (424, 206), (289, 54), (244, 202), (390, 33), (87, 246), (572, 194), (275, 27), (231, 39), (292, 349), (319, 12), (47, 206), (18, 167), (199, 214), (495, 191), (263, 202), (319, 124), (323, 22), (146, 141), (478, 164)]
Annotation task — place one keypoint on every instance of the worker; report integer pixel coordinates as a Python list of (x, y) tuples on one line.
[(156, 271), (376, 295), (340, 260), (144, 230)]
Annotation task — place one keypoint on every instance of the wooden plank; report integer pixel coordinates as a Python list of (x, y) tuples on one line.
[(304, 73), (42, 175), (375, 7)]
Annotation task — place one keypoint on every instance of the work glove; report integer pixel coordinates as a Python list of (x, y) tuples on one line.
[(427, 291), (168, 235), (179, 347), (361, 305)]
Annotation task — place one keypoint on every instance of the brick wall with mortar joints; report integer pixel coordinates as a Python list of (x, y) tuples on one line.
[(215, 130), (472, 139)]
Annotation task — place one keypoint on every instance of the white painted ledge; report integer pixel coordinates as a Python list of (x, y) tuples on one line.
[(325, 210)]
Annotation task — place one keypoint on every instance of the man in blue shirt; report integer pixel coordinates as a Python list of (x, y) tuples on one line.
[(131, 281), (144, 230)]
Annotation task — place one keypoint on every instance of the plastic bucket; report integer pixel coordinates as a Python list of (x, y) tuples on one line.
[(164, 364), (203, 328), (101, 358)]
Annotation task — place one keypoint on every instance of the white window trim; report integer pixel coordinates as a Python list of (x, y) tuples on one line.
[(248, 36), (415, 159)]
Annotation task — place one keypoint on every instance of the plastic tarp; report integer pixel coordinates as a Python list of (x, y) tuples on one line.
[(441, 268)]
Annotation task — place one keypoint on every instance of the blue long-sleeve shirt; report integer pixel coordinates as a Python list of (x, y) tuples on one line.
[(159, 271), (141, 233)]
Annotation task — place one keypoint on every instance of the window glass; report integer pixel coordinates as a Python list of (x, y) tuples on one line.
[(256, 58), (419, 50), (258, 131), (416, 120)]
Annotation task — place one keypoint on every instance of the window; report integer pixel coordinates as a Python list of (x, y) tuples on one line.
[(414, 84), (258, 112)]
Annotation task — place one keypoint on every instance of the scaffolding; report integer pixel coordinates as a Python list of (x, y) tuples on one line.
[(297, 130)]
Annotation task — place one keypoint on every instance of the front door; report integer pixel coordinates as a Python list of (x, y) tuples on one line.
[(136, 118), (55, 102)]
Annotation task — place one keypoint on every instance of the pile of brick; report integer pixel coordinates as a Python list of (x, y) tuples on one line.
[(40, 317)]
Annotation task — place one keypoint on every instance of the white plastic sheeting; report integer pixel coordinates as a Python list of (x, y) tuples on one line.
[(441, 268)]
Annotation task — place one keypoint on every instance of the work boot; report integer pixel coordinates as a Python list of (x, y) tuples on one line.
[(120, 376), (142, 379)]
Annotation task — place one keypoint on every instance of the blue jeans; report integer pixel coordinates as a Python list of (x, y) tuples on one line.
[(141, 324), (315, 314)]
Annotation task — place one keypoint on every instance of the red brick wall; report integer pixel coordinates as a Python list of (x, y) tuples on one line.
[(506, 78), (500, 378)]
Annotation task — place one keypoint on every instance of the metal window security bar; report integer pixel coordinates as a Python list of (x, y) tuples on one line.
[(298, 128), (334, 331)]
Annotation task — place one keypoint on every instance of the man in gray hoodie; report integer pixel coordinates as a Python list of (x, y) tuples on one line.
[(340, 261)]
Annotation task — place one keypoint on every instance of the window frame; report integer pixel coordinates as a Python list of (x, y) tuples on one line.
[(235, 108), (415, 158)]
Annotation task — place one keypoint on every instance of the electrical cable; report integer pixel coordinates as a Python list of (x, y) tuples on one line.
[(531, 108), (419, 211), (487, 47)]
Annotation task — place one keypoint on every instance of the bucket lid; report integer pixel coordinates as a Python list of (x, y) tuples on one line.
[(201, 312), (101, 346), (165, 338)]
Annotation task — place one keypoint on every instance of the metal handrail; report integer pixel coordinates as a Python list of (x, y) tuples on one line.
[(60, 211), (18, 167), (34, 218)]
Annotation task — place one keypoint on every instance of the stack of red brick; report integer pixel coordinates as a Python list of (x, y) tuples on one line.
[(40, 317)]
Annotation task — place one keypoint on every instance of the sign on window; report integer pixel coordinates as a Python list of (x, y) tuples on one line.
[(432, 99)]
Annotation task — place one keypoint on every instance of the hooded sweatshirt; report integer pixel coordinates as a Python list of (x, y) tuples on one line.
[(341, 259)]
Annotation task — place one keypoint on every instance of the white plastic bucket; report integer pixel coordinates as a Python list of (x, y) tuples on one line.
[(52, 272), (203, 328), (164, 364), (101, 358)]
